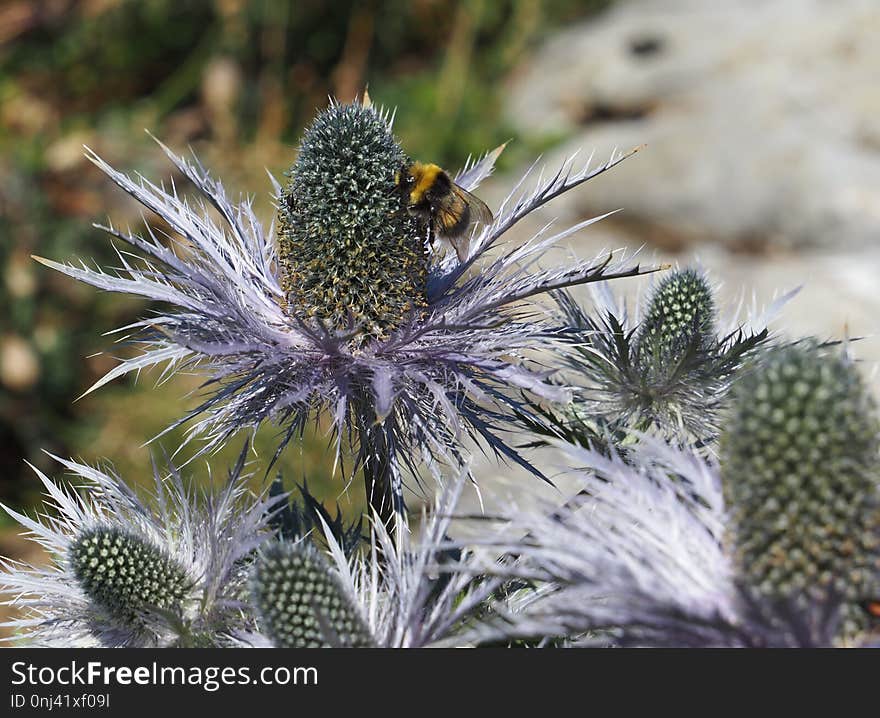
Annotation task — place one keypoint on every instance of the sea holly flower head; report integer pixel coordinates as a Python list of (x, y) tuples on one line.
[(301, 601), (125, 574), (801, 472), (681, 314), (667, 370), (349, 252), (168, 569), (347, 310)]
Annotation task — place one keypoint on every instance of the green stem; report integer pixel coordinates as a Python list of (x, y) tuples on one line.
[(377, 466)]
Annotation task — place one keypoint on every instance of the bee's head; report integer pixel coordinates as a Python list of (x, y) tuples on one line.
[(416, 182), (405, 181)]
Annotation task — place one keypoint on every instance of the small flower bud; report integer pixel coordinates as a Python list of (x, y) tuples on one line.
[(681, 311)]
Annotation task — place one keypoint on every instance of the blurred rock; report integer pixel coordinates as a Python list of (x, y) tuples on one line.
[(19, 366), (19, 276), (221, 87), (760, 116), (67, 152)]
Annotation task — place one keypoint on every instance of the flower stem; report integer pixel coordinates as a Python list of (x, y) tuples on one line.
[(383, 499), (378, 479)]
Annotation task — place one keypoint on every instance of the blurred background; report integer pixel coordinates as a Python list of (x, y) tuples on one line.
[(762, 160)]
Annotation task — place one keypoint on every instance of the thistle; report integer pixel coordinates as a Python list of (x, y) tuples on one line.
[(408, 353), (802, 477), (667, 371), (302, 604), (639, 558), (169, 569), (680, 317)]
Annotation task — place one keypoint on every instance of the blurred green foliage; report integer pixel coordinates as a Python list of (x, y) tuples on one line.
[(237, 80)]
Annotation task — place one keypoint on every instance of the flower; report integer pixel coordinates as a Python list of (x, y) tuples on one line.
[(350, 313), (667, 370), (647, 554), (170, 569), (348, 253), (301, 601), (801, 473), (411, 593)]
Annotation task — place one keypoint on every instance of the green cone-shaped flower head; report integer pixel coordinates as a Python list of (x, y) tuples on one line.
[(800, 473), (302, 601), (681, 310), (349, 250), (125, 574)]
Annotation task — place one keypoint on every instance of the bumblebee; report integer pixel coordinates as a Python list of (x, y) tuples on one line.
[(448, 210)]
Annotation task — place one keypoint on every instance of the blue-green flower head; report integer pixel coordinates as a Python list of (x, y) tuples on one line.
[(681, 310), (125, 574), (302, 602), (667, 368), (800, 472), (350, 252)]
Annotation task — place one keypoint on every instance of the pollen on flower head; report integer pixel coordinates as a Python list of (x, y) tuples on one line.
[(124, 574), (302, 603), (349, 251), (681, 310), (800, 473)]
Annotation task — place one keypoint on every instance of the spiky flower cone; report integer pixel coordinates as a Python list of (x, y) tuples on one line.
[(302, 603), (800, 474), (126, 575), (350, 253), (681, 311)]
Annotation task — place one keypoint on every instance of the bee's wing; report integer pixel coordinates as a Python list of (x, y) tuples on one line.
[(450, 218), (480, 212), (450, 226)]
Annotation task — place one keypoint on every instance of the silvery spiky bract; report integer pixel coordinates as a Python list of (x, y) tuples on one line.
[(305, 514), (301, 601), (666, 370), (168, 569), (422, 592), (424, 356), (802, 476), (638, 558)]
